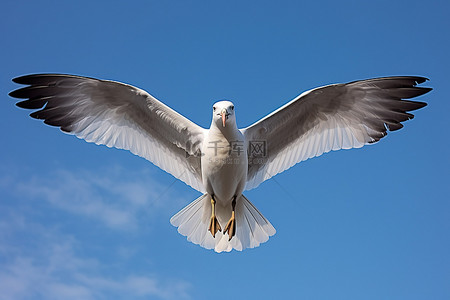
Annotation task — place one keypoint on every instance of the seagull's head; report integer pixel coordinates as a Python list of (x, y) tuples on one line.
[(223, 114)]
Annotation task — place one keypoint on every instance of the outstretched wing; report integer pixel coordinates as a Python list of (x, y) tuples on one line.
[(333, 117), (116, 115)]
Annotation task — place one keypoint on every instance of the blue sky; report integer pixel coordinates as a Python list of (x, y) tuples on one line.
[(80, 221)]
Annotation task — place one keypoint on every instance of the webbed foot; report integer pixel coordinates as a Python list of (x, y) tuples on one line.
[(214, 226), (231, 227)]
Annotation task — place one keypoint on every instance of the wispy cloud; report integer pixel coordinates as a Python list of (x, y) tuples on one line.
[(45, 264), (41, 258), (115, 198)]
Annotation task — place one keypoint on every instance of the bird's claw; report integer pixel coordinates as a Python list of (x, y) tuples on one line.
[(214, 226), (231, 228)]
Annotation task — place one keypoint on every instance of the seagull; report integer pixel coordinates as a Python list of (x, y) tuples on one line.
[(222, 161)]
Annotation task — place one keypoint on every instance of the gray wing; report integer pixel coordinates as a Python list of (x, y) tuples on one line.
[(333, 117), (116, 115)]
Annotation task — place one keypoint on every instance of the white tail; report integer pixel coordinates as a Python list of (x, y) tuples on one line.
[(252, 228)]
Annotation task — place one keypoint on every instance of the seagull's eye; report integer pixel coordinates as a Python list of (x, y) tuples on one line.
[(232, 108), (214, 108)]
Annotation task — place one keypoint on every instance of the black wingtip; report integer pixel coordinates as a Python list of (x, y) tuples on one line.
[(421, 104), (15, 94), (427, 89), (24, 92), (417, 79), (23, 79), (420, 79), (16, 80), (32, 103), (419, 91), (22, 104)]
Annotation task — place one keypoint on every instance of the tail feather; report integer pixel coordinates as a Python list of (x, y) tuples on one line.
[(252, 228), (260, 228)]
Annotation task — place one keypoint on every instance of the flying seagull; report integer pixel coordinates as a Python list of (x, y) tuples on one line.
[(222, 161)]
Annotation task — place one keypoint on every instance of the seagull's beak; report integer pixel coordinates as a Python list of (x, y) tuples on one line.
[(223, 113)]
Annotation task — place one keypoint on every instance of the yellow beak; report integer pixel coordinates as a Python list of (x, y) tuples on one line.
[(224, 117)]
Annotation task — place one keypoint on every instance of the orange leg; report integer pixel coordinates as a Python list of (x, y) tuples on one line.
[(231, 225), (214, 225)]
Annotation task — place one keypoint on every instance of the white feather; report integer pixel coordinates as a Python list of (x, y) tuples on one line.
[(252, 227)]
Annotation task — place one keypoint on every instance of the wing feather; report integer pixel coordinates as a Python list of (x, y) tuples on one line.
[(333, 117), (116, 115)]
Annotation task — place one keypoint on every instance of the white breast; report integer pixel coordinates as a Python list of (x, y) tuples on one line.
[(224, 165)]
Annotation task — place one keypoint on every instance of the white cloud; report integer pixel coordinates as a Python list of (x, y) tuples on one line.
[(49, 267), (40, 257), (109, 196)]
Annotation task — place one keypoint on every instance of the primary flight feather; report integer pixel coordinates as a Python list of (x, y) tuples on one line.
[(222, 161)]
